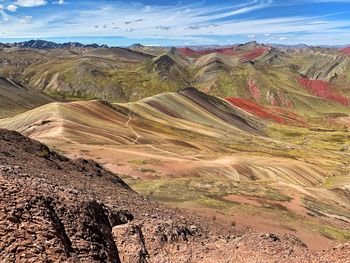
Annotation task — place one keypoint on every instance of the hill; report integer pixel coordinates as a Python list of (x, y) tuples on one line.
[(89, 73), (152, 50), (15, 99), (172, 67)]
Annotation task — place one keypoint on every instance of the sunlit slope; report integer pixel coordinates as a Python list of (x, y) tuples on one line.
[(88, 122), (88, 73), (276, 85), (202, 131), (167, 113), (189, 109), (309, 81)]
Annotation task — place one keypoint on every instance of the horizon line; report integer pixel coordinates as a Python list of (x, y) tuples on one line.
[(67, 40)]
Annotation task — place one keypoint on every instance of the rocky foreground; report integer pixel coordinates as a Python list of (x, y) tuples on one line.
[(53, 209)]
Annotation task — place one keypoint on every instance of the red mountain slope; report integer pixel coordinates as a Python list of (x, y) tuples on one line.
[(280, 115), (254, 54), (346, 50), (322, 89)]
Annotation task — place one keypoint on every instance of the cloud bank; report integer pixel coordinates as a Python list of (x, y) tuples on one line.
[(206, 22)]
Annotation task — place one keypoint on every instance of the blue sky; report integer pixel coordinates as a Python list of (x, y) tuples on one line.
[(150, 22)]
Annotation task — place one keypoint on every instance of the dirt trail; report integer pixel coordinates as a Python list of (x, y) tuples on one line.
[(130, 127)]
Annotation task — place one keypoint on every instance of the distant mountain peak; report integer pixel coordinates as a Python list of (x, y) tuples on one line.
[(250, 44), (44, 44), (136, 45)]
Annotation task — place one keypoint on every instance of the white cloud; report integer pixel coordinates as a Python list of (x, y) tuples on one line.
[(26, 20), (59, 2), (12, 8), (30, 3), (176, 22), (5, 17)]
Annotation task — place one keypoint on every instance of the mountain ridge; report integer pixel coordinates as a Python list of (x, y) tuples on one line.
[(44, 44)]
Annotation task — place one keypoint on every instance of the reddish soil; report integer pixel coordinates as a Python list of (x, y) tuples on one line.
[(322, 89), (346, 50), (278, 115), (254, 54), (264, 223), (284, 101), (187, 51), (270, 97), (256, 109), (230, 51), (290, 115), (254, 89)]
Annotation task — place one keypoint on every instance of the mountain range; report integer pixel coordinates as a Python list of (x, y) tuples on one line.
[(249, 142), (44, 44), (264, 74)]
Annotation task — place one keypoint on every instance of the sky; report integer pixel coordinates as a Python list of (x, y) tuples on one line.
[(178, 23)]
